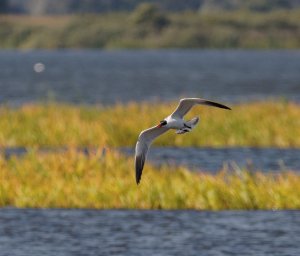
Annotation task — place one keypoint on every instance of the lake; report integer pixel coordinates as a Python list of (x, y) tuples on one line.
[(204, 158), (108, 77), (213, 159), (129, 232)]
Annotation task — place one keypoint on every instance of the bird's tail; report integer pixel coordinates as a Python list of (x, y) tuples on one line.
[(193, 122)]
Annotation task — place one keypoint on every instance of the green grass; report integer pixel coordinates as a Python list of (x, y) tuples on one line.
[(239, 29), (75, 180), (260, 124)]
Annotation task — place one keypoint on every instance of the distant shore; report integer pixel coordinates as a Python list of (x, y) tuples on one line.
[(239, 29)]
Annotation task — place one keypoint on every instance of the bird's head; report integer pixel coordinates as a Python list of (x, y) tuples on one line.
[(161, 123)]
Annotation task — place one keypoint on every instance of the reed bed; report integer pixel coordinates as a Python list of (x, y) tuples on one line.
[(72, 179), (259, 124)]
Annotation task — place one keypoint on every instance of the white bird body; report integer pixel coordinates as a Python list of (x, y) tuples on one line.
[(173, 121)]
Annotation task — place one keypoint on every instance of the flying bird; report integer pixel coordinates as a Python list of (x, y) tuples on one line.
[(174, 121)]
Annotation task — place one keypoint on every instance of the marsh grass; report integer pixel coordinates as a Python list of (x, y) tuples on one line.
[(75, 180), (260, 124)]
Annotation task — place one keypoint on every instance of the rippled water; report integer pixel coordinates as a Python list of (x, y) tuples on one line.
[(213, 159), (118, 232), (108, 77), (206, 159)]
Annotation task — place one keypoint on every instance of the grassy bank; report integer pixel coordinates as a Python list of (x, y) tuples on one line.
[(260, 124), (240, 29), (75, 180)]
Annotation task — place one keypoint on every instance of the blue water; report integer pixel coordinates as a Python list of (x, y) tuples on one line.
[(214, 159), (205, 158), (127, 232), (107, 77)]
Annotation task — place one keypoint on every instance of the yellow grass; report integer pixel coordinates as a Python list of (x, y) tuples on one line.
[(72, 179), (260, 124)]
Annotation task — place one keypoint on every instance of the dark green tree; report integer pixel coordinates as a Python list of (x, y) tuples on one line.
[(149, 15)]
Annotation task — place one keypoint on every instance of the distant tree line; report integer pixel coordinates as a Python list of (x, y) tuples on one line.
[(3, 6), (41, 7)]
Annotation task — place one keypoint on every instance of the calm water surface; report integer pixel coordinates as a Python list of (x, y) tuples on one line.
[(205, 159), (119, 232), (213, 159), (121, 76)]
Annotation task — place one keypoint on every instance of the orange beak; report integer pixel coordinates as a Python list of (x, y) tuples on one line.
[(158, 126)]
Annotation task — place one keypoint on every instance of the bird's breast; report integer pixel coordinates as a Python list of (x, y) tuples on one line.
[(175, 123)]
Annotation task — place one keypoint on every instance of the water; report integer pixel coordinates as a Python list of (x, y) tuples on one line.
[(121, 76), (204, 159), (127, 232), (213, 159)]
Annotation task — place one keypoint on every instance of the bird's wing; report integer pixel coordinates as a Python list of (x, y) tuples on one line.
[(185, 105), (144, 141)]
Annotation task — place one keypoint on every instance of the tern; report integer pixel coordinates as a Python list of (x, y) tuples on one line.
[(174, 121)]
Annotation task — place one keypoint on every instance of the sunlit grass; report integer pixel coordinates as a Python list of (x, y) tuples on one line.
[(260, 124), (76, 180)]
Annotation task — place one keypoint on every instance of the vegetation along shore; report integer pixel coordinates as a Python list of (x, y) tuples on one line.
[(149, 27)]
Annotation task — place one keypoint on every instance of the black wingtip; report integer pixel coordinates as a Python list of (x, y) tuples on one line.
[(137, 179), (215, 104), (222, 106), (139, 165)]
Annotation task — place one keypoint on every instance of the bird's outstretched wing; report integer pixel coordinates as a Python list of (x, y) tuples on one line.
[(186, 104), (144, 141)]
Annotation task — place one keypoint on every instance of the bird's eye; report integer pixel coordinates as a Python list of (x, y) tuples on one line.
[(163, 122)]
